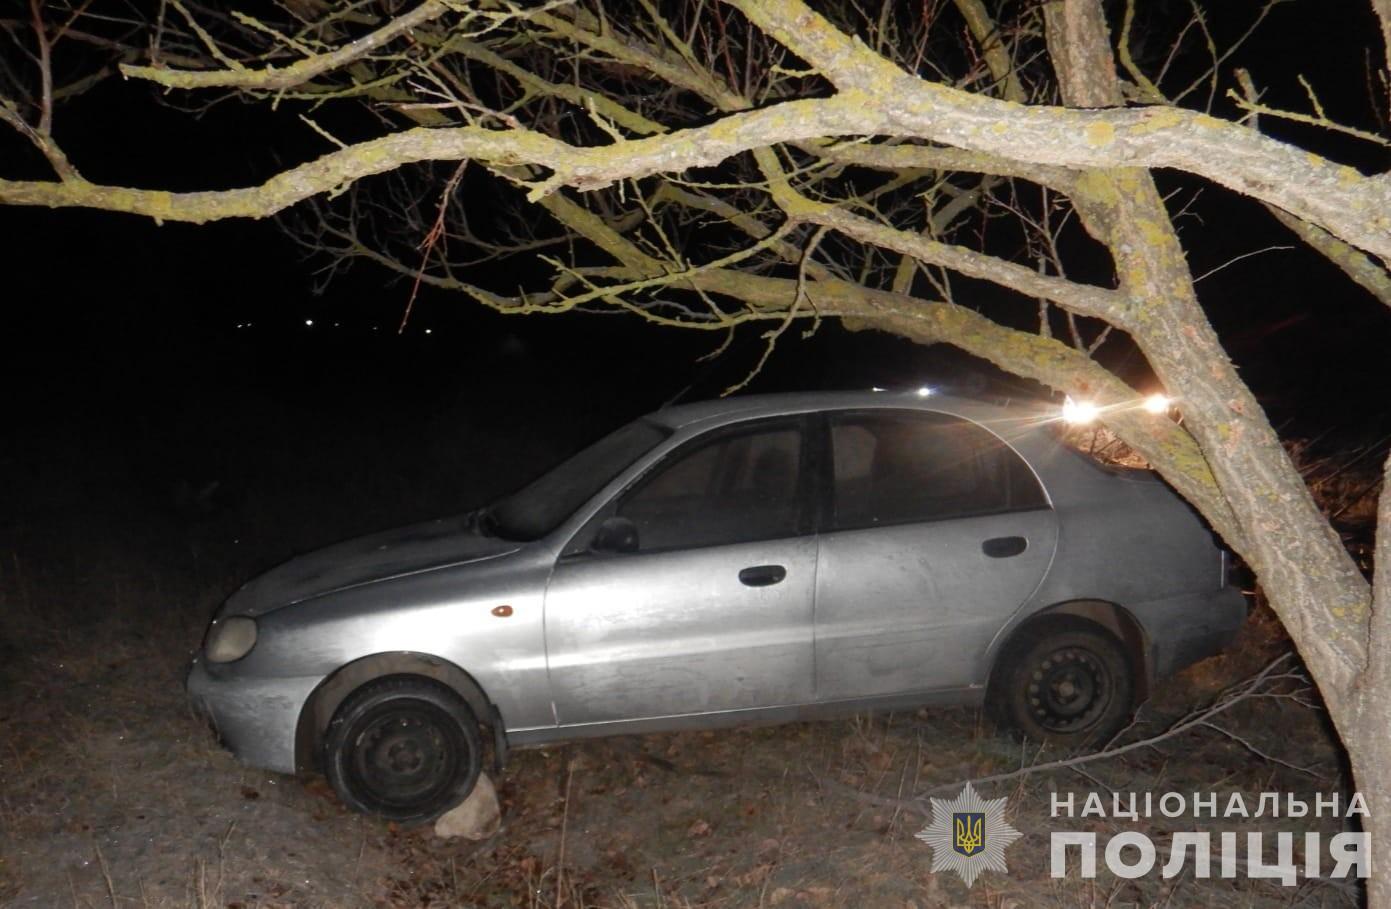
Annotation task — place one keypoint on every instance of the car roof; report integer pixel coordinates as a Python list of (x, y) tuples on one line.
[(1006, 417)]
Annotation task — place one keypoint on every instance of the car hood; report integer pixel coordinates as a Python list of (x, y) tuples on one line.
[(366, 560)]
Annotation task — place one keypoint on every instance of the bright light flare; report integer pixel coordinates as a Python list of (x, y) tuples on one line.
[(1158, 404), (924, 392), (1079, 413)]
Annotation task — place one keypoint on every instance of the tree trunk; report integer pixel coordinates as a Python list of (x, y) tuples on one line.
[(1312, 582), (1368, 741)]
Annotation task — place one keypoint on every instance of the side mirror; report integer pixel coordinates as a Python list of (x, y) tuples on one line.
[(615, 534)]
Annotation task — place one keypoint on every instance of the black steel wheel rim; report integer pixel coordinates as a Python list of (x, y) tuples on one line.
[(405, 756), (1068, 689)]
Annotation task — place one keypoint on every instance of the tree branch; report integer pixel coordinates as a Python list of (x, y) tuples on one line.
[(1084, 299), (1361, 268), (1382, 8), (298, 73), (45, 124), (41, 140), (1349, 205), (897, 156)]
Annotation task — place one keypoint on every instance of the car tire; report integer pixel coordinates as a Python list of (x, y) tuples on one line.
[(1071, 687), (403, 748)]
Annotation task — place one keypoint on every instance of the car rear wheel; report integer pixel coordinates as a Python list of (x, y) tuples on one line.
[(403, 748), (1069, 687)]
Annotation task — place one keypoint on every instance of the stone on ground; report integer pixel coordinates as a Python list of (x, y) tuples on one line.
[(476, 818)]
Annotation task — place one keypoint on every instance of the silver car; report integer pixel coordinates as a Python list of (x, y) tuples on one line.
[(751, 559)]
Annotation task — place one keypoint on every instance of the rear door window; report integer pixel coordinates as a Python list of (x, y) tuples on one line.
[(900, 468)]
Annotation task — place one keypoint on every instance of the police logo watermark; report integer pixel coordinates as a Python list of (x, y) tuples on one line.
[(968, 835), (1202, 854)]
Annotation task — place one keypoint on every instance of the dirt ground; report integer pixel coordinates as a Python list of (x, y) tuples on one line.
[(112, 794)]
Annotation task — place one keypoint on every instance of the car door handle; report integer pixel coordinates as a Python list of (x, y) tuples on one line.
[(1004, 547), (762, 575)]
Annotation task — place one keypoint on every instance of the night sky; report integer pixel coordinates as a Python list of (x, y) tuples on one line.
[(112, 318)]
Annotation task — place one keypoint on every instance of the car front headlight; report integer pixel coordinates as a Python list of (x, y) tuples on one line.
[(230, 639)]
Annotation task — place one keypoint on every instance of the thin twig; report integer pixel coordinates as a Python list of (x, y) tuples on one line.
[(1235, 259), (106, 876), (427, 245), (1257, 686), (45, 125), (564, 824)]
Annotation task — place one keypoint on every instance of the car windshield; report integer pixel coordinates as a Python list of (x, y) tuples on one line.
[(542, 505)]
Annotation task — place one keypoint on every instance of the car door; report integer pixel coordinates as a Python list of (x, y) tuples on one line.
[(713, 609), (935, 533)]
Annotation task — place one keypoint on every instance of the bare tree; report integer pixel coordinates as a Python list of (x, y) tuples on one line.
[(761, 161)]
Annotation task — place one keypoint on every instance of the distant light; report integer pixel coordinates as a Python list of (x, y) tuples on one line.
[(1158, 403), (875, 388), (428, 330), (1079, 413), (309, 322), (924, 392)]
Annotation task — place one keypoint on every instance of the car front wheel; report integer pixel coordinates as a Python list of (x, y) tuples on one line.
[(1071, 687), (403, 748)]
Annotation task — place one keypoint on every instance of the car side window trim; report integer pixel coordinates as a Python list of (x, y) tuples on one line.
[(823, 470)]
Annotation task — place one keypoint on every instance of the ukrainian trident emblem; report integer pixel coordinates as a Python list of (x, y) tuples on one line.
[(968, 835), (968, 828)]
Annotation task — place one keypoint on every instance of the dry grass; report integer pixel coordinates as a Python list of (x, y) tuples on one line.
[(114, 795), (785, 816)]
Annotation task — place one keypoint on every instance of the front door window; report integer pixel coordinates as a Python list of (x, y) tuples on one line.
[(738, 487)]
